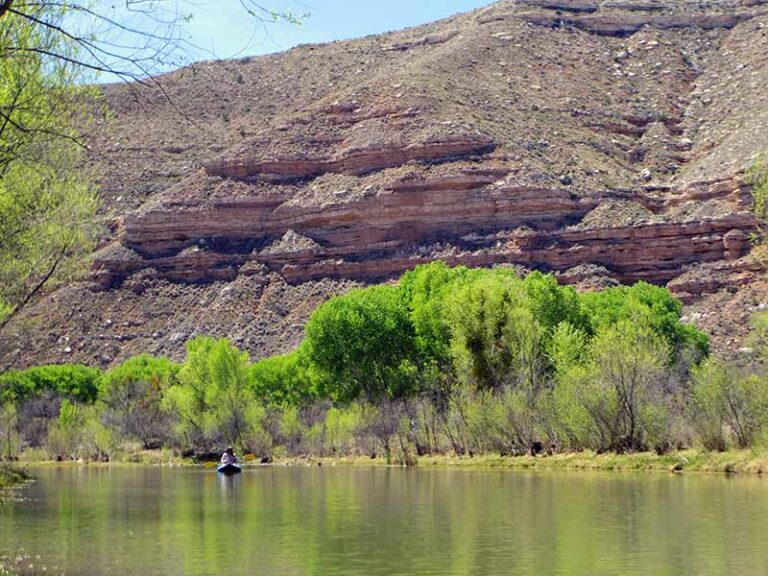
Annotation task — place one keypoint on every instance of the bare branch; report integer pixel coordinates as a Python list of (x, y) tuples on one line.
[(36, 288)]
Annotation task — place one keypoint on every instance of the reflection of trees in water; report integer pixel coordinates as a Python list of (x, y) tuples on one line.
[(310, 520)]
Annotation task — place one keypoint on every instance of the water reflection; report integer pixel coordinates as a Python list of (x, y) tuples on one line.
[(307, 521), (230, 486)]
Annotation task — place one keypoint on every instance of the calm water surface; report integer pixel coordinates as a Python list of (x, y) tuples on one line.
[(343, 521)]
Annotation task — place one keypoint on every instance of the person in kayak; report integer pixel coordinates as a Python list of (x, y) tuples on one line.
[(229, 457)]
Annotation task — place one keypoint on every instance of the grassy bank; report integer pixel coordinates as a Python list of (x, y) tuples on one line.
[(11, 477), (732, 462)]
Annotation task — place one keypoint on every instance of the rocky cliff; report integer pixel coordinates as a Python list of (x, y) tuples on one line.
[(605, 141)]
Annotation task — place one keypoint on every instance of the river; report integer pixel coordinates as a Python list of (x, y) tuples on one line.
[(378, 521)]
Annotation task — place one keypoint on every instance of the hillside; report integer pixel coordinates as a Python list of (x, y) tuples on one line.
[(603, 140)]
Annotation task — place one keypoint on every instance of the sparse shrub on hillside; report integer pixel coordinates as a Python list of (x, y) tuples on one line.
[(758, 339), (758, 178)]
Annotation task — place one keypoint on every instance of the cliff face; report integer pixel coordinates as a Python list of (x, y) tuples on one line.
[(603, 140)]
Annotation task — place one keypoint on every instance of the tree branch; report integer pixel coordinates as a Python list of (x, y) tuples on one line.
[(36, 289)]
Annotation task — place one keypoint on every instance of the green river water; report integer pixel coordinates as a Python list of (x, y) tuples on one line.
[(376, 521)]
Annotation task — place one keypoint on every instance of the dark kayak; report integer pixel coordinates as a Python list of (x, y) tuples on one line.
[(229, 468)]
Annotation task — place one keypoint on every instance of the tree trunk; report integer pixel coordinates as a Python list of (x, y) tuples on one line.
[(5, 5)]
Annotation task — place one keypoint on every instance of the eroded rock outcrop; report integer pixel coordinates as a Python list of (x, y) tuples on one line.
[(348, 159)]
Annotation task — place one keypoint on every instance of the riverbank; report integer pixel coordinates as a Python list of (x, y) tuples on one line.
[(733, 462), (10, 477), (742, 462)]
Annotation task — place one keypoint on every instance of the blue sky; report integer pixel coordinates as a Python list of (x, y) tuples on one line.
[(222, 27), (150, 35), (228, 32)]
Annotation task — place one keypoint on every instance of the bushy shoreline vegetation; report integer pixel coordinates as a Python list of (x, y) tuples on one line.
[(448, 362), (10, 477)]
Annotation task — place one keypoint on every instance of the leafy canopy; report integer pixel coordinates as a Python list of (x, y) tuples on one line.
[(47, 200)]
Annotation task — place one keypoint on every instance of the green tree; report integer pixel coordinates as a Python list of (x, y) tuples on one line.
[(47, 201), (551, 304), (628, 365), (426, 289), (645, 305), (213, 400), (9, 431), (74, 381), (708, 409), (481, 315), (282, 380), (132, 394), (363, 344), (615, 399), (724, 399)]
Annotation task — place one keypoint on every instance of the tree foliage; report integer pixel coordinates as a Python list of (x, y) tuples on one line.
[(282, 380), (363, 343), (132, 394), (727, 402), (73, 381), (47, 201), (212, 399), (646, 305)]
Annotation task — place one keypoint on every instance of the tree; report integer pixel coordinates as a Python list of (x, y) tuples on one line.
[(426, 289), (282, 380), (47, 202), (724, 399), (9, 434), (501, 327), (73, 381), (627, 370), (480, 316), (363, 344), (652, 307), (132, 393), (213, 400)]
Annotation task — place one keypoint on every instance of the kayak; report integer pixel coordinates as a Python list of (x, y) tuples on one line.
[(229, 468)]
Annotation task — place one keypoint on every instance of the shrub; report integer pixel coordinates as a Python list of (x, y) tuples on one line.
[(73, 381), (725, 399)]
